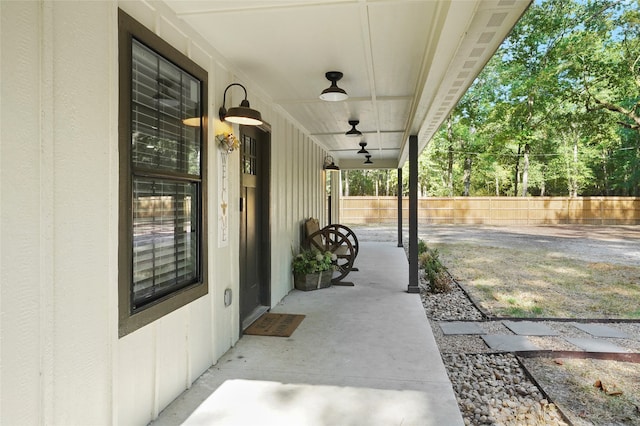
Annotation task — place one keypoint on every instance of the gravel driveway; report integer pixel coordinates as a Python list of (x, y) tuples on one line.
[(615, 244)]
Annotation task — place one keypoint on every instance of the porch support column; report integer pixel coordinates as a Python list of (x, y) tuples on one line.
[(413, 215), (399, 207)]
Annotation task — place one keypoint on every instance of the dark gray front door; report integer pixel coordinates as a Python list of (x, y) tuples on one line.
[(254, 224)]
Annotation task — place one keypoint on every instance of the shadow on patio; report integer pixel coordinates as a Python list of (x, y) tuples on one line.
[(363, 355)]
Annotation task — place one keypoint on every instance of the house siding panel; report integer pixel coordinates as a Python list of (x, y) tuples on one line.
[(20, 213), (59, 222)]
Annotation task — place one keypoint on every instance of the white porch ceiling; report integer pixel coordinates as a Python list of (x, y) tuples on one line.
[(406, 63)]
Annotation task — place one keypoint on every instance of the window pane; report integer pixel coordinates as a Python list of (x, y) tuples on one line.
[(249, 156), (162, 97), (165, 238)]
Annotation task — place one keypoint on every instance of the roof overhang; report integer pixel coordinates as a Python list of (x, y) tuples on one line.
[(406, 63)]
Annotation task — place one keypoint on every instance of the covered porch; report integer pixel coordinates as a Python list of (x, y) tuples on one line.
[(362, 355), (76, 346)]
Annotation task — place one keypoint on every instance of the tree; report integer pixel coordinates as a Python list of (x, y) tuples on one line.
[(556, 111)]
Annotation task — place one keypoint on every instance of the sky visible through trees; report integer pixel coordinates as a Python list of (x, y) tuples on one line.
[(555, 112)]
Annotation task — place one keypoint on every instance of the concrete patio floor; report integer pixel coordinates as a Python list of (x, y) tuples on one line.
[(363, 355)]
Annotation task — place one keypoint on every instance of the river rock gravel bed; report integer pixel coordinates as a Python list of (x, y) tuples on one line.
[(495, 388), (491, 389)]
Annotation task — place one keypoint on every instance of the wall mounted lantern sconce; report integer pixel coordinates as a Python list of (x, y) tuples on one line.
[(354, 133), (333, 93), (329, 164), (242, 114), (368, 160), (362, 150)]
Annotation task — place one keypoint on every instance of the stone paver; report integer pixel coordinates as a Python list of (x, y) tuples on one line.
[(530, 328), (460, 327), (509, 343), (599, 330), (595, 345)]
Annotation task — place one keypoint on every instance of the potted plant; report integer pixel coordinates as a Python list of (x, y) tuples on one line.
[(312, 269)]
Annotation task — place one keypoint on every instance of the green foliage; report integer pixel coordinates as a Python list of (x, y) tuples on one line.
[(556, 111), (310, 261), (422, 246), (435, 272), (381, 182)]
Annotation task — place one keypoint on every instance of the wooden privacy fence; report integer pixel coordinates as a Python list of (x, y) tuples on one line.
[(496, 210)]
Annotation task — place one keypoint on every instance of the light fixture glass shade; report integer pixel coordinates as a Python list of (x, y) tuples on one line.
[(354, 133), (333, 93), (242, 114)]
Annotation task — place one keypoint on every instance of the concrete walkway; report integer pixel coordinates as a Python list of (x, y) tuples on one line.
[(364, 355)]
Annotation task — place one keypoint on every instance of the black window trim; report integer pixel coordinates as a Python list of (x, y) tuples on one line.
[(129, 29)]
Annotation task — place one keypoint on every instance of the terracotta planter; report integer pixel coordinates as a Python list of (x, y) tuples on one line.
[(306, 282)]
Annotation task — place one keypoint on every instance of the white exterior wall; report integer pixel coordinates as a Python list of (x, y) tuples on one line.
[(61, 361)]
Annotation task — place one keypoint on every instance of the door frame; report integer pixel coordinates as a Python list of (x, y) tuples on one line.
[(262, 135)]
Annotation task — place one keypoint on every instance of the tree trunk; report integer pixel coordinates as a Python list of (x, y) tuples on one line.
[(605, 172), (387, 183), (525, 171), (450, 156), (467, 174), (516, 176), (572, 165), (574, 169), (525, 165), (346, 183)]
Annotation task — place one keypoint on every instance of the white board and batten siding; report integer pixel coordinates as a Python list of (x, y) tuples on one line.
[(61, 360)]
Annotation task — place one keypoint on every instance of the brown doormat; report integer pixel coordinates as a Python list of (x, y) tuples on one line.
[(281, 325)]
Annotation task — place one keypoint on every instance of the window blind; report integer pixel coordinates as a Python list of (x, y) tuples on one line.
[(166, 178)]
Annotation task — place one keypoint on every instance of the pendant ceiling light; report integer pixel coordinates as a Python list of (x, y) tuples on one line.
[(242, 114), (333, 93), (368, 160), (354, 133), (362, 150)]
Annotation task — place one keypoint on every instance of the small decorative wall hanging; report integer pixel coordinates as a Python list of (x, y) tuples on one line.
[(227, 143)]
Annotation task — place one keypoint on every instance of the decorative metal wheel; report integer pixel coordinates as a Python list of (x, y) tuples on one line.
[(349, 234), (332, 239)]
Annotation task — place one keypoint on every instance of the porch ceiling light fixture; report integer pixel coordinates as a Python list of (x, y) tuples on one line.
[(354, 133), (333, 93), (368, 160), (242, 114), (329, 164), (362, 150)]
